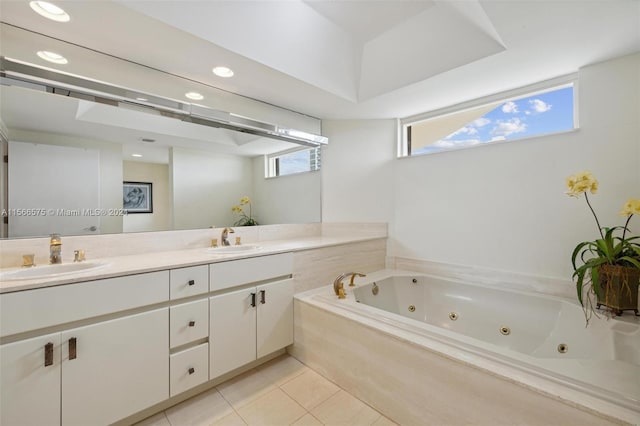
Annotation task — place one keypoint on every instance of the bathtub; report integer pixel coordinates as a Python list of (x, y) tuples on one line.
[(537, 341)]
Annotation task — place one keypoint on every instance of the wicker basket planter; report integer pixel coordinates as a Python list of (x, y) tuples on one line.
[(619, 288)]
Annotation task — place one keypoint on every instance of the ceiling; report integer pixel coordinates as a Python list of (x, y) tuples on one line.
[(351, 59)]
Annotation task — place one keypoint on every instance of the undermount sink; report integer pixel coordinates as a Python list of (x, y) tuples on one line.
[(47, 271), (233, 249)]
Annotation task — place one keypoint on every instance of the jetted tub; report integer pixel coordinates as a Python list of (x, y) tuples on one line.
[(536, 340)]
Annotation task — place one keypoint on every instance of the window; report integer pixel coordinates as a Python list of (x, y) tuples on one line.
[(293, 161), (534, 113)]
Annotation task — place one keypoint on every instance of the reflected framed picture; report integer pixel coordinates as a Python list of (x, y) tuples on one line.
[(137, 197)]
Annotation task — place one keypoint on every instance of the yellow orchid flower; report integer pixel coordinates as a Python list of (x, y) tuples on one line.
[(631, 207), (244, 219), (581, 182)]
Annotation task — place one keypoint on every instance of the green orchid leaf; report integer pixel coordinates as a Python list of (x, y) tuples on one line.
[(633, 261)]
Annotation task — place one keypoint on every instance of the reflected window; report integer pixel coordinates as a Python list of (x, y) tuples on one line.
[(293, 161), (532, 114)]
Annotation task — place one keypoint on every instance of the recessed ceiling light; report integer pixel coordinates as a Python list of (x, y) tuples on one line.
[(139, 98), (52, 57), (136, 155), (223, 72), (50, 11), (194, 95)]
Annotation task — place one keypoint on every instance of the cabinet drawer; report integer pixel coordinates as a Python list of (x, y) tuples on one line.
[(188, 368), (244, 271), (185, 282), (33, 309), (188, 322)]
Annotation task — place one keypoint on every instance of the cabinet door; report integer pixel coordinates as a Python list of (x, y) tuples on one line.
[(119, 367), (29, 389), (275, 316), (232, 338)]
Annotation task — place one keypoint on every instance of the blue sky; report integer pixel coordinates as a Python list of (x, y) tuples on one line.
[(533, 115)]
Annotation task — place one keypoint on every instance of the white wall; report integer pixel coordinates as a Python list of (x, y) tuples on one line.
[(501, 206), (357, 170), (110, 169), (158, 175), (205, 186), (285, 199)]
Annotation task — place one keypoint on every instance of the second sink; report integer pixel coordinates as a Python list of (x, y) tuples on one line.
[(233, 249)]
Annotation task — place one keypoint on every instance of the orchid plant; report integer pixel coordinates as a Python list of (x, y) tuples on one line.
[(244, 219), (609, 249)]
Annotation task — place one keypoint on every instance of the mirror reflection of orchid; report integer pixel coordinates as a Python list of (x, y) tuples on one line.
[(244, 219)]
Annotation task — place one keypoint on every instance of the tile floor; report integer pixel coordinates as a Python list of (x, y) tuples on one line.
[(280, 392)]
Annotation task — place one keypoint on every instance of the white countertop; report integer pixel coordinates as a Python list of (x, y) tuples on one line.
[(148, 262)]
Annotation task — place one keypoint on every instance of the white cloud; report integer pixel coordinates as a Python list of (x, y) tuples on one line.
[(539, 105), (497, 138), (456, 143), (480, 122), (510, 107), (463, 131), (466, 131), (506, 128)]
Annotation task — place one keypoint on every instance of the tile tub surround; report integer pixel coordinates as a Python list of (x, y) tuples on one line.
[(564, 288), (557, 287), (415, 385), (172, 249), (319, 267), (281, 392)]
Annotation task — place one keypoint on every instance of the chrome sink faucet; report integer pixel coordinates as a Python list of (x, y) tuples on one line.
[(224, 237), (55, 249), (338, 286)]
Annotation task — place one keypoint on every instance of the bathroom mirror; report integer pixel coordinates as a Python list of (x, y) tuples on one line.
[(69, 156)]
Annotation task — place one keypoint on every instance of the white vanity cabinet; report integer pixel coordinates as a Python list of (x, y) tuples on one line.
[(103, 360), (119, 367), (30, 382), (274, 320), (254, 320), (97, 352), (188, 328)]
